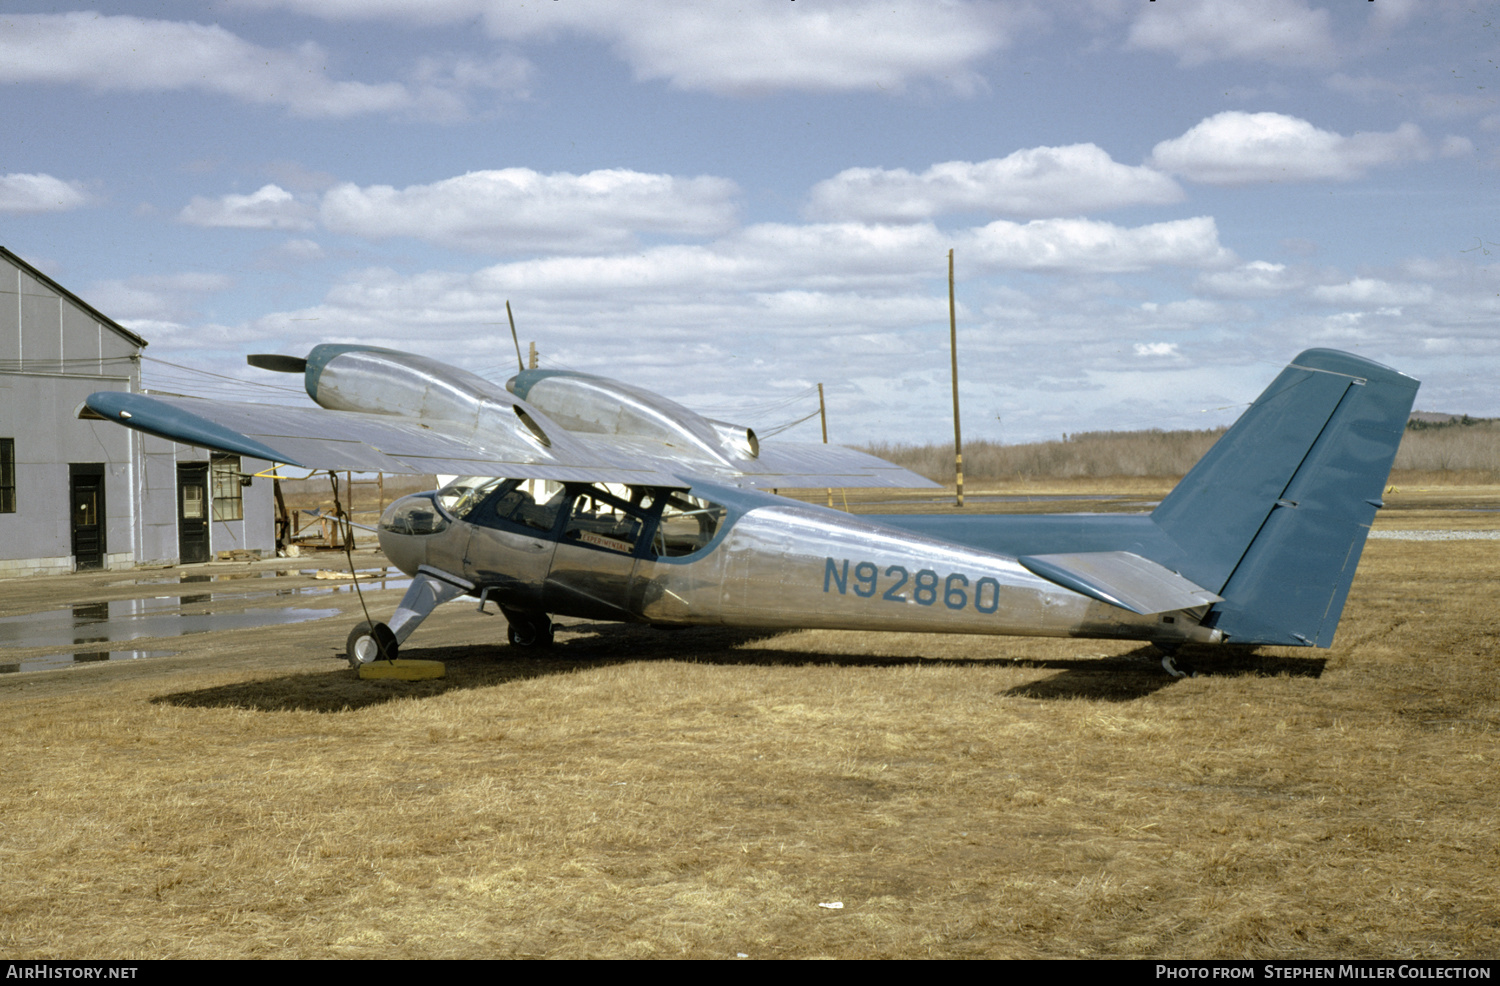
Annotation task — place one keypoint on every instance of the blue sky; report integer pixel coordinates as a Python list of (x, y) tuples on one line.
[(1154, 205)]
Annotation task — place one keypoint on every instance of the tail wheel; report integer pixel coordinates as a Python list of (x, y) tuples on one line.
[(530, 631), (370, 642)]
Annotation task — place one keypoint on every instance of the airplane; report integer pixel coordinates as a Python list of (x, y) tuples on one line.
[(587, 497)]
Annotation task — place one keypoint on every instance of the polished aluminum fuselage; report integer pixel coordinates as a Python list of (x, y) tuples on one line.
[(776, 564)]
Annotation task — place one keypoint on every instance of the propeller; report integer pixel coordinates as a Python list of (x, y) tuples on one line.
[(277, 363)]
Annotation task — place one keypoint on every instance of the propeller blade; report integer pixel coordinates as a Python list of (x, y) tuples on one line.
[(277, 363)]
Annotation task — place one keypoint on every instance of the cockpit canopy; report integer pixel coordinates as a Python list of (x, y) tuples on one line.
[(414, 515)]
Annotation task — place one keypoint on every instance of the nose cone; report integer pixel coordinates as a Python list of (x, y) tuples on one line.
[(405, 552), (407, 527)]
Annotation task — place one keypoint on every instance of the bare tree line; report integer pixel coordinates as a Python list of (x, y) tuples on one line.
[(1466, 445)]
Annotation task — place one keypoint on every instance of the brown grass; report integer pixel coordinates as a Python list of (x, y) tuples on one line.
[(637, 793)]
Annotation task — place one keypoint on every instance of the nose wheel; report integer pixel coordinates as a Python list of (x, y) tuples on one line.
[(370, 642), (430, 588)]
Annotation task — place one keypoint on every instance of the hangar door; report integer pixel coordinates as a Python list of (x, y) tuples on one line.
[(192, 512), (86, 498)]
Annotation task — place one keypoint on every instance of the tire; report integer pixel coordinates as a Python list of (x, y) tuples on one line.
[(370, 642), (530, 632)]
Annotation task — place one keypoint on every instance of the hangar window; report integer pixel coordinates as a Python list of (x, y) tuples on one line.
[(226, 483), (7, 475)]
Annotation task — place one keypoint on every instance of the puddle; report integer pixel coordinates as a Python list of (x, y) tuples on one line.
[(127, 619), (51, 662), (383, 578), (88, 632)]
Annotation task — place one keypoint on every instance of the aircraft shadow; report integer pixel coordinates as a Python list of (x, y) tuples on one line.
[(1120, 678), (1138, 673)]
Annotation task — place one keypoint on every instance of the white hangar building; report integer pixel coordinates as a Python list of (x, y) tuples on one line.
[(78, 494)]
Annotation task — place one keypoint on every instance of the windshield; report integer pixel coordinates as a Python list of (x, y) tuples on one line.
[(413, 515), (465, 493)]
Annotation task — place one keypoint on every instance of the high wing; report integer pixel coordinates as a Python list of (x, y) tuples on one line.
[(385, 411), (318, 438)]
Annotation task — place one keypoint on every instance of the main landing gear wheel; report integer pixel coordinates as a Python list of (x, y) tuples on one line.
[(1169, 662), (370, 642), (529, 631)]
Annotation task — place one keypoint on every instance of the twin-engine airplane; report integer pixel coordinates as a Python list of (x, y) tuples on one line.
[(651, 513)]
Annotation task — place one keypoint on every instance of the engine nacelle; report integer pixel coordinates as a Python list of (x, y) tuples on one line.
[(582, 402), (384, 381)]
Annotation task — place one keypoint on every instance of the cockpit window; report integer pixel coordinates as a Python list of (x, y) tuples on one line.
[(687, 525), (508, 504), (600, 519), (630, 520), (518, 506)]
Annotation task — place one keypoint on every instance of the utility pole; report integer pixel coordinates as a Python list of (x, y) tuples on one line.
[(958, 444), (531, 361), (823, 415), (513, 337)]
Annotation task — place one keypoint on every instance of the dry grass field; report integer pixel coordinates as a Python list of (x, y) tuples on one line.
[(640, 793)]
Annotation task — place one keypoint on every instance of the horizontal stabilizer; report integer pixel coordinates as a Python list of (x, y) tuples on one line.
[(1121, 578)]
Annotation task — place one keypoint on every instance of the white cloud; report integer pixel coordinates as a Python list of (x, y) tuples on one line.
[(1284, 32), (1456, 146), (1156, 349), (444, 87), (772, 45), (269, 207), (750, 46), (1088, 245), (779, 278), (848, 279), (1428, 97), (1257, 279), (1038, 181), (856, 256), (161, 298), (1389, 15), (1184, 314), (134, 54), (1235, 148), (518, 209), (303, 249), (39, 193), (1372, 291)]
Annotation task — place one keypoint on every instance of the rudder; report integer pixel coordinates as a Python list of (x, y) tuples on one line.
[(1275, 516)]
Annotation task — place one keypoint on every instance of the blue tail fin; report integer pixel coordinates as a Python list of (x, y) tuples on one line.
[(1275, 516)]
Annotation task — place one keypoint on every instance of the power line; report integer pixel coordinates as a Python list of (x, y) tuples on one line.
[(780, 428)]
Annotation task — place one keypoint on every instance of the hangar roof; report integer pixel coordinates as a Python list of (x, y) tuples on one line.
[(96, 313)]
